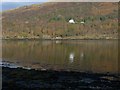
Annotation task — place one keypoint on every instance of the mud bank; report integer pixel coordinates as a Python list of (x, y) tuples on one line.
[(22, 79)]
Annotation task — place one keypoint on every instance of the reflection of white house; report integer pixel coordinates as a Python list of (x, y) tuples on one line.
[(57, 42), (71, 57), (71, 21), (82, 56)]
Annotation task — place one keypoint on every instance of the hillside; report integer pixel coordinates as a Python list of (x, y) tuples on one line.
[(51, 20)]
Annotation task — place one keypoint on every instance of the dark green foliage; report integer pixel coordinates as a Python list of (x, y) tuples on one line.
[(55, 19), (102, 18)]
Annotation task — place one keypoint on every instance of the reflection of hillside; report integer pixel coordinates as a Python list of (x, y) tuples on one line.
[(95, 56)]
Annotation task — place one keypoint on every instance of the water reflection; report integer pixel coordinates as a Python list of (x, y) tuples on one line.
[(71, 57), (93, 56), (81, 56), (58, 41)]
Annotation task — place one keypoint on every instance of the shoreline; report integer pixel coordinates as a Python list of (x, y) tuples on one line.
[(19, 78), (54, 39)]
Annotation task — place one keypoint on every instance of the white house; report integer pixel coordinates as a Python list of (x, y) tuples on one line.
[(71, 21)]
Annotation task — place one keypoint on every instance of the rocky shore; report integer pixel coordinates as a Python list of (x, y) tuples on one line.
[(23, 79)]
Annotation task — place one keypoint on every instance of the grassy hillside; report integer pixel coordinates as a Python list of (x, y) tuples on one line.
[(51, 20)]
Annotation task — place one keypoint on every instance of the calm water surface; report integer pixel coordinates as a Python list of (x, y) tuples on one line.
[(98, 56)]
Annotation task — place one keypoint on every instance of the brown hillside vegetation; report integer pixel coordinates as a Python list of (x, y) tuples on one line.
[(51, 20)]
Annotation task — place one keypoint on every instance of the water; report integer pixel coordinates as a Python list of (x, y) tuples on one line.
[(98, 56)]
